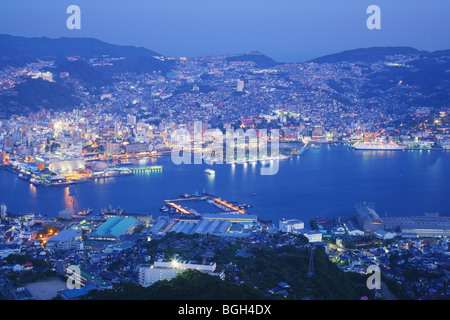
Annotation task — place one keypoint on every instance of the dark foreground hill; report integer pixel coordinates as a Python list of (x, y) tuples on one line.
[(269, 267)]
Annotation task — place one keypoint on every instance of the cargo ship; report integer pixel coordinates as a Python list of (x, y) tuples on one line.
[(39, 183), (23, 177), (62, 183), (377, 146), (85, 212)]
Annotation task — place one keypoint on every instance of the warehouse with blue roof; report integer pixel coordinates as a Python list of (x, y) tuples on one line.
[(113, 228)]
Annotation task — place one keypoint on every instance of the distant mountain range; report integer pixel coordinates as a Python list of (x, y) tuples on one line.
[(15, 50), (63, 47), (374, 54)]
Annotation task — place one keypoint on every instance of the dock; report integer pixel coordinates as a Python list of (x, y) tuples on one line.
[(146, 169)]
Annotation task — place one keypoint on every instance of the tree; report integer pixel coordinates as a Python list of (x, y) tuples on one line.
[(188, 285)]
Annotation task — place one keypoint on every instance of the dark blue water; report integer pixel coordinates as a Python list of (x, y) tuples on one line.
[(324, 182)]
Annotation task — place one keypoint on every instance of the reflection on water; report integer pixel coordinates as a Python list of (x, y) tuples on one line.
[(32, 190), (322, 182), (67, 198), (253, 165)]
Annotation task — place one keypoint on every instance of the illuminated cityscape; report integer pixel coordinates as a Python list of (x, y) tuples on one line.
[(94, 205)]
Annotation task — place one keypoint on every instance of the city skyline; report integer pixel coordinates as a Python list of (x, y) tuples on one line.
[(224, 150)]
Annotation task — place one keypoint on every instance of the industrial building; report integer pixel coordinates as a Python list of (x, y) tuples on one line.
[(313, 236), (290, 225), (208, 214), (368, 219), (429, 225), (113, 228), (66, 214), (232, 217), (191, 226), (383, 234), (298, 227), (65, 165)]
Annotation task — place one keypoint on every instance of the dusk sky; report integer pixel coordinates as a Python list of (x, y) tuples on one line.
[(285, 30)]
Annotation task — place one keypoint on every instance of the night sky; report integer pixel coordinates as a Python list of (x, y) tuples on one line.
[(285, 30)]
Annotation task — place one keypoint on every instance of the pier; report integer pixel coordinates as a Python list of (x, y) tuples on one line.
[(146, 169)]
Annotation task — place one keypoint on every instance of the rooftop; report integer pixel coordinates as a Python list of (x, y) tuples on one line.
[(115, 226), (65, 235), (368, 214)]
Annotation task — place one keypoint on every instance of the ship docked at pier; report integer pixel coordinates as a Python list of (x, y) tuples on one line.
[(377, 145)]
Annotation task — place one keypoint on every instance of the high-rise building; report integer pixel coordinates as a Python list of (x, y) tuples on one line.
[(112, 148), (9, 142), (131, 119), (136, 148), (317, 133), (240, 85), (3, 209)]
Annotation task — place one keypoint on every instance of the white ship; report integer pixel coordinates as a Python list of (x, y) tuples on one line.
[(210, 172), (377, 146)]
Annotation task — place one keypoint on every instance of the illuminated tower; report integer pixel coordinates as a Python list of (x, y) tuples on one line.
[(3, 209), (240, 85)]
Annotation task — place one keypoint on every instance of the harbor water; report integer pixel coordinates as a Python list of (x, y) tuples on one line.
[(323, 182)]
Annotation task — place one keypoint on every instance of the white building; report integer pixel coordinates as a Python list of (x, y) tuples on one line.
[(356, 233), (240, 85), (3, 209), (63, 166), (291, 225), (131, 119), (313, 236), (166, 270), (298, 227), (48, 76), (382, 234)]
